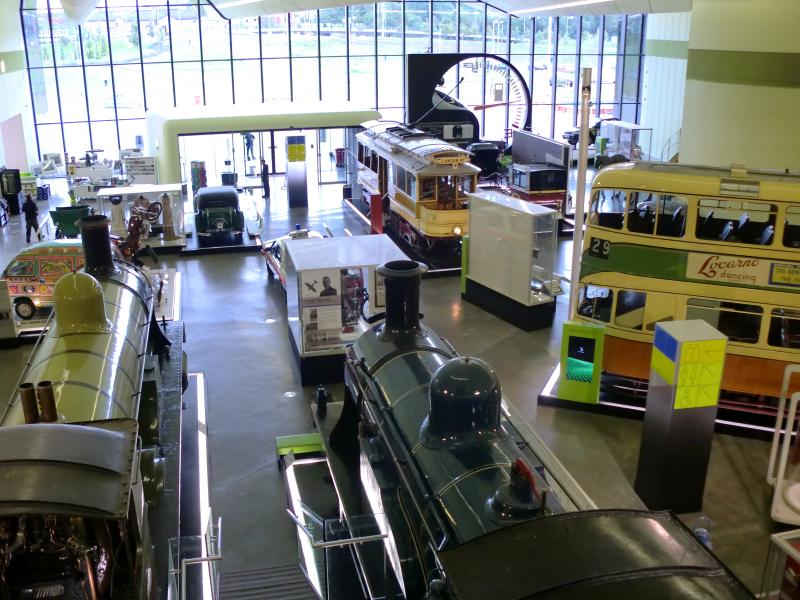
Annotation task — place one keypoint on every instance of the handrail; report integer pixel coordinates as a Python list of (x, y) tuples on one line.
[(337, 543), (776, 437)]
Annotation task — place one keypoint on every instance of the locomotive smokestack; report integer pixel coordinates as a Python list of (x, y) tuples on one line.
[(47, 401), (27, 395), (401, 279), (96, 245)]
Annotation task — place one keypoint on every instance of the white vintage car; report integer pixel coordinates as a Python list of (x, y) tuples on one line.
[(273, 251)]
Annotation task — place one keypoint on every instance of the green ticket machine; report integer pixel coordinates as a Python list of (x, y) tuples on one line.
[(581, 362)]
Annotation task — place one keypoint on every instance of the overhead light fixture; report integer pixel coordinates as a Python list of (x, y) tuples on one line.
[(2, 66), (561, 5)]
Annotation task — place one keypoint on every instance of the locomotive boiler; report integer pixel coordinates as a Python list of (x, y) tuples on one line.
[(74, 440), (470, 503)]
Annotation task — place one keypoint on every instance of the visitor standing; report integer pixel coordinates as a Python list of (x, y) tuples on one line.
[(248, 145), (265, 178), (31, 212)]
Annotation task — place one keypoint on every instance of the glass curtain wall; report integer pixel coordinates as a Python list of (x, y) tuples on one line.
[(92, 84)]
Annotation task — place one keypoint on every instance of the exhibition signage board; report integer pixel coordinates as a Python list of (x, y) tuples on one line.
[(581, 362), (737, 269), (141, 169)]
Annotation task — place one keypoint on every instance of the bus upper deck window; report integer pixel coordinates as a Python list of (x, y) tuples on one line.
[(672, 215), (595, 302), (608, 208), (641, 212), (791, 227), (736, 221)]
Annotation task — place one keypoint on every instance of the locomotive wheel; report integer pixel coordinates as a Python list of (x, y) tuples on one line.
[(24, 308)]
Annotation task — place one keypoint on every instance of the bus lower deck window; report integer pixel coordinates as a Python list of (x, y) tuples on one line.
[(595, 303), (784, 328), (740, 322)]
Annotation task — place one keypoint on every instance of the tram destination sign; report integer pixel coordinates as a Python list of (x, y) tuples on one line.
[(742, 270)]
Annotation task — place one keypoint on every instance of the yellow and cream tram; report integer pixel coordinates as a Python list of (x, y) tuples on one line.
[(671, 242), (425, 180)]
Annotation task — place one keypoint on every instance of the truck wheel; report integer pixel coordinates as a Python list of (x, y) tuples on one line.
[(24, 308)]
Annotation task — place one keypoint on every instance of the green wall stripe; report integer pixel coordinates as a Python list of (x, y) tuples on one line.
[(14, 61), (667, 48), (765, 69)]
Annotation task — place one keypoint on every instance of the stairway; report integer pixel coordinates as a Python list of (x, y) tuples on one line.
[(276, 583)]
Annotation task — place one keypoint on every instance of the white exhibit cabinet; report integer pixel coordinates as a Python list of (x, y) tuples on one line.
[(326, 281), (167, 227), (511, 256)]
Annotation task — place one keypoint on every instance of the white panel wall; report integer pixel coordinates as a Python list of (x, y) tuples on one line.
[(663, 84), (15, 96)]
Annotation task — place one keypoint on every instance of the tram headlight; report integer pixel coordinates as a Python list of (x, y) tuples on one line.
[(456, 230)]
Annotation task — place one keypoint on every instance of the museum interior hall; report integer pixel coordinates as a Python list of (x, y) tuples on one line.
[(405, 300)]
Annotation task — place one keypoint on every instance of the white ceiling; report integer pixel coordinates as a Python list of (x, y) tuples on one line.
[(233, 9)]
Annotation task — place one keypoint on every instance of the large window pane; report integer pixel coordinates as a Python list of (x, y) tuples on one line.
[(158, 85), (542, 91), (76, 136), (590, 34), (50, 139), (306, 79), (630, 79), (95, 39), (128, 85), (275, 36), (218, 82), (247, 80), (568, 35), (564, 119), (390, 28), (73, 96), (216, 35), (613, 34), (154, 28), (565, 80), (612, 65), (472, 26), (66, 40), (633, 34), (496, 31), (362, 29), (188, 84), (418, 27), (104, 137), (45, 99), (37, 38), (101, 94), (334, 79), (333, 31), (444, 26), (185, 33), (390, 81), (277, 84), (521, 34), (245, 38), (124, 35), (128, 130), (362, 81), (304, 33), (545, 36)]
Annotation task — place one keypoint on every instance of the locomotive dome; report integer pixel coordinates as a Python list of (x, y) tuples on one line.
[(464, 399)]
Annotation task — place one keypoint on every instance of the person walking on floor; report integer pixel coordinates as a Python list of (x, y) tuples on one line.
[(31, 212), (265, 178), (248, 145)]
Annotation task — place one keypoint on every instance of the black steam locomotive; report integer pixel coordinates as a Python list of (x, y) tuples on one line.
[(470, 505)]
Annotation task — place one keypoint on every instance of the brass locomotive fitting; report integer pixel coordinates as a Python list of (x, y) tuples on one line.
[(47, 401), (27, 396)]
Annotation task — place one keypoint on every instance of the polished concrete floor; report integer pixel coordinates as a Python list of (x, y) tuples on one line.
[(237, 334)]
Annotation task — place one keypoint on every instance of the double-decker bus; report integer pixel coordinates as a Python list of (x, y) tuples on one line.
[(424, 179), (672, 242)]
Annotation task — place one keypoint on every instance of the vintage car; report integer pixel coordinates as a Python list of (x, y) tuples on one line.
[(31, 275), (273, 251), (217, 211)]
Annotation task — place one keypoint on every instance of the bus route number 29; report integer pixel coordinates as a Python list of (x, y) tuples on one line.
[(599, 248)]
